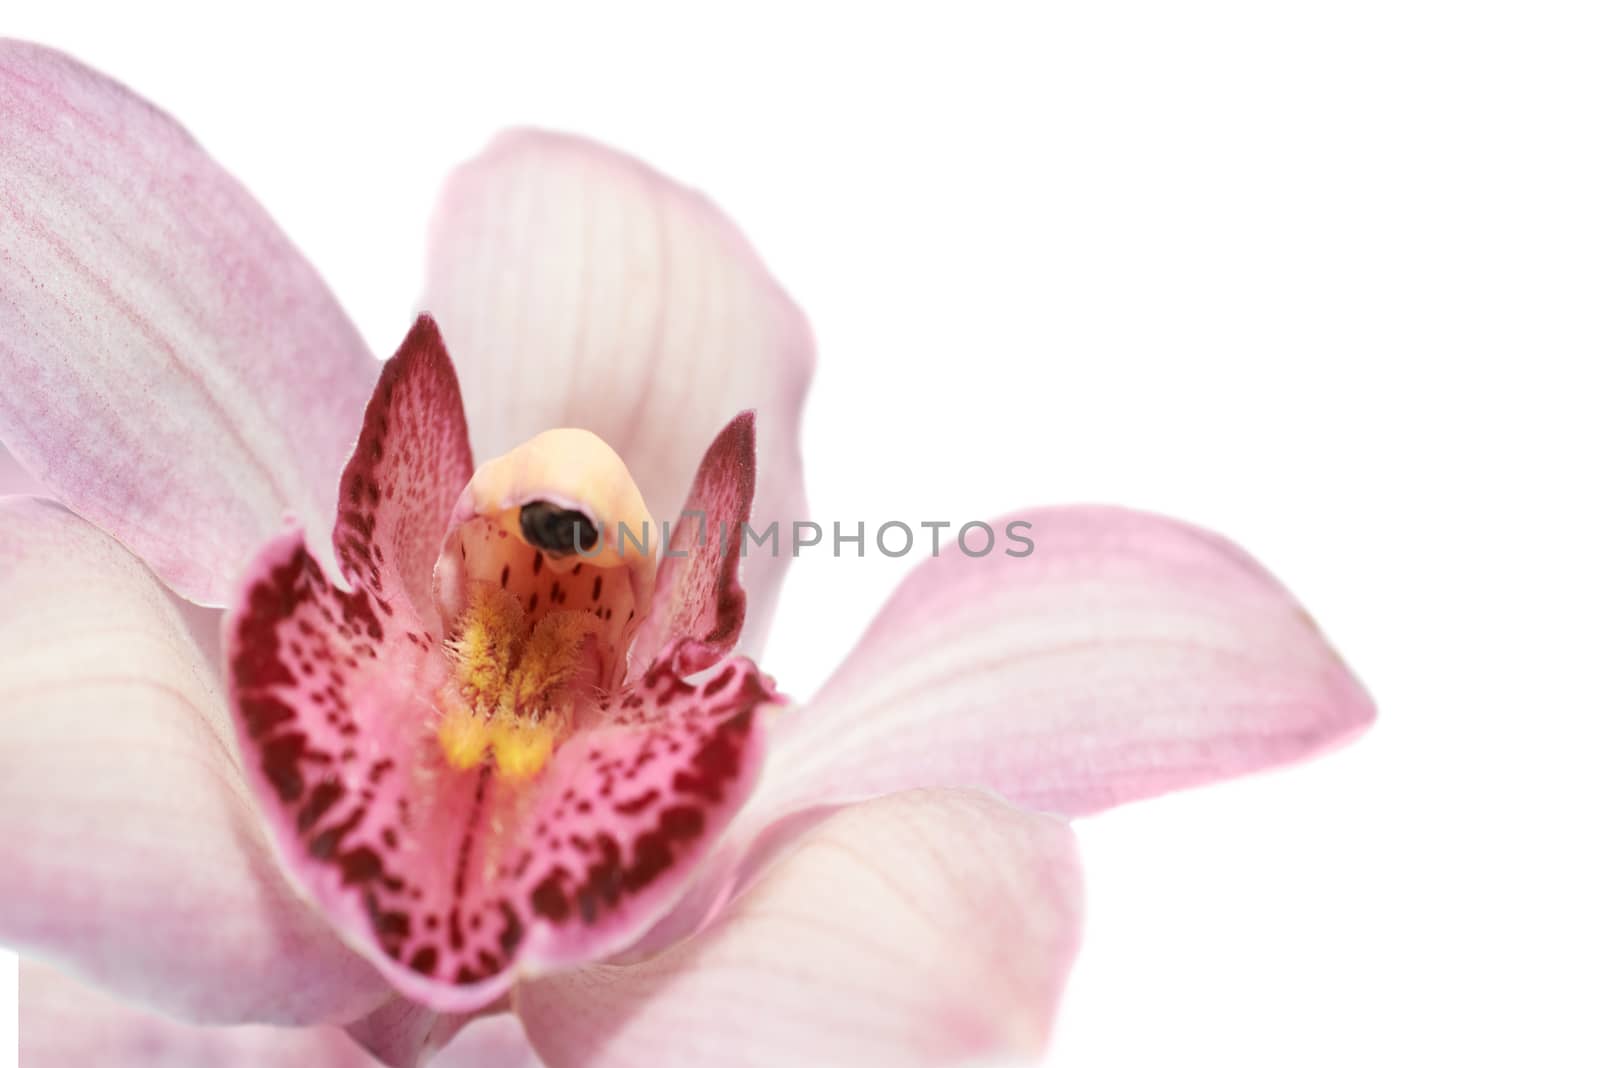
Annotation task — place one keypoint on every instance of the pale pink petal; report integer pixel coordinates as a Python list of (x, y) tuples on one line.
[(133, 856), (14, 480), (174, 370), (63, 1024), (401, 1033), (698, 596), (578, 287), (488, 1042), (1127, 655), (924, 928), (453, 880)]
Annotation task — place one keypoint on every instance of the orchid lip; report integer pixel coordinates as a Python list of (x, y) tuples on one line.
[(456, 759)]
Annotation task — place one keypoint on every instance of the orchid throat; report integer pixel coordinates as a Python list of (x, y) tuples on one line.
[(539, 606)]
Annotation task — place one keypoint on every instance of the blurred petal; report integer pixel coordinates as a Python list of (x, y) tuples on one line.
[(65, 1025), (578, 287), (174, 370), (133, 855), (404, 1034), (1127, 655), (698, 596), (14, 480), (924, 928), (488, 1042)]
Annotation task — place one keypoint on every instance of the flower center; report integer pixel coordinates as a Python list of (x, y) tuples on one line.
[(540, 585), (510, 692)]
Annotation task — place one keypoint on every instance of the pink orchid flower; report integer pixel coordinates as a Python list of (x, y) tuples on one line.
[(471, 775)]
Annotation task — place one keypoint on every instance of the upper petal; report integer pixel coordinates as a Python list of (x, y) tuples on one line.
[(580, 288), (1125, 656), (174, 370), (133, 855), (924, 928)]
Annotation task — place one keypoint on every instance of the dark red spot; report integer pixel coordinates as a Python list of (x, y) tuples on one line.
[(360, 865), (280, 762), (550, 900), (262, 714), (511, 931), (457, 939), (634, 806), (717, 760), (323, 797)]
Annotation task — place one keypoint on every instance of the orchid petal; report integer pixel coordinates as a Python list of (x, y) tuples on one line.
[(175, 372), (65, 1025), (14, 481), (488, 1042), (578, 287), (924, 928), (133, 855), (404, 1034), (698, 596), (454, 880), (1127, 655), (402, 480)]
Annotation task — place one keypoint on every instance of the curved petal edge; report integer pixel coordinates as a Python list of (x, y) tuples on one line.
[(922, 928), (134, 857), (579, 287), (1124, 656), (175, 371)]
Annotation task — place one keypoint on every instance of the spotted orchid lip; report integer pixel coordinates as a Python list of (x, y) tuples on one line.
[(464, 798)]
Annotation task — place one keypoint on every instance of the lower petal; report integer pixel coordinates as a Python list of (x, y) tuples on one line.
[(134, 857), (66, 1025), (1125, 656), (404, 1034), (924, 928)]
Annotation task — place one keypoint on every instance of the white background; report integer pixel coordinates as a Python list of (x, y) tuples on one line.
[(1320, 276)]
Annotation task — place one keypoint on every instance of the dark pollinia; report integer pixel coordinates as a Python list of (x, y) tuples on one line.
[(558, 531)]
